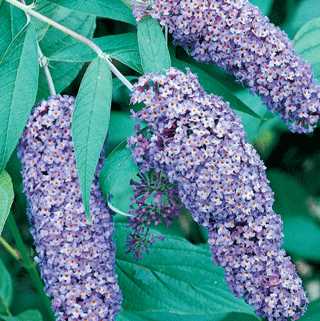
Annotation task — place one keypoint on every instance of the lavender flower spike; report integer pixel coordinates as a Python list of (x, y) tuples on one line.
[(235, 35), (76, 259), (199, 143)]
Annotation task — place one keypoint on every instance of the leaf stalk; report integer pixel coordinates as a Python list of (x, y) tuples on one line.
[(13, 252)]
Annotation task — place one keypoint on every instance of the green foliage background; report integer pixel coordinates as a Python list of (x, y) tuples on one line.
[(177, 281)]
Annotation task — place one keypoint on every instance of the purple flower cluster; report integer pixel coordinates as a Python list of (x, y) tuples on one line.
[(76, 258), (235, 35), (198, 141), (155, 201)]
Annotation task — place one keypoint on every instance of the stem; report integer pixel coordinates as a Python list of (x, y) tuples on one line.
[(5, 308), (28, 264), (29, 10), (9, 248), (44, 63)]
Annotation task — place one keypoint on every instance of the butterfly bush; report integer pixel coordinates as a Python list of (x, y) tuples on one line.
[(198, 141), (235, 35), (76, 258)]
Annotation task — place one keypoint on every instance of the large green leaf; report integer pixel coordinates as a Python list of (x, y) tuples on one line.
[(302, 12), (12, 22), (18, 20), (264, 5), (112, 9), (212, 85), (165, 316), (313, 312), (176, 281), (115, 179), (53, 40), (302, 233), (6, 197), (153, 48), (121, 127), (19, 73), (5, 30), (121, 94), (122, 47), (307, 44), (90, 122), (5, 289), (30, 315)]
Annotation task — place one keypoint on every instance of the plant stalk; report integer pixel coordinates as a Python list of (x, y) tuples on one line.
[(13, 252), (44, 64), (30, 11)]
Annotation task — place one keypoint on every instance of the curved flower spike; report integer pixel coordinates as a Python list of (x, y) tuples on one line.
[(235, 35), (76, 259), (199, 143)]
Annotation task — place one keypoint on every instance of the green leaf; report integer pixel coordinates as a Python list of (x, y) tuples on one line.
[(18, 20), (212, 85), (153, 48), (121, 127), (30, 315), (240, 317), (121, 94), (165, 316), (313, 312), (302, 233), (111, 9), (307, 44), (6, 197), (115, 179), (303, 12), (5, 289), (19, 73), (264, 5), (122, 47), (90, 123), (53, 40), (5, 28), (12, 22), (176, 281)]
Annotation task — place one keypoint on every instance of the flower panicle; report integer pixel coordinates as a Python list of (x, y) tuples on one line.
[(76, 258), (237, 37), (199, 143)]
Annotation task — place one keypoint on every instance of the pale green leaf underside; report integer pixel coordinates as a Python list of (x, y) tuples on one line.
[(153, 48), (19, 71), (112, 9), (90, 122)]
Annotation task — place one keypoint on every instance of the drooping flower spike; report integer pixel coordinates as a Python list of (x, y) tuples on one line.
[(198, 141), (236, 36), (76, 259)]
